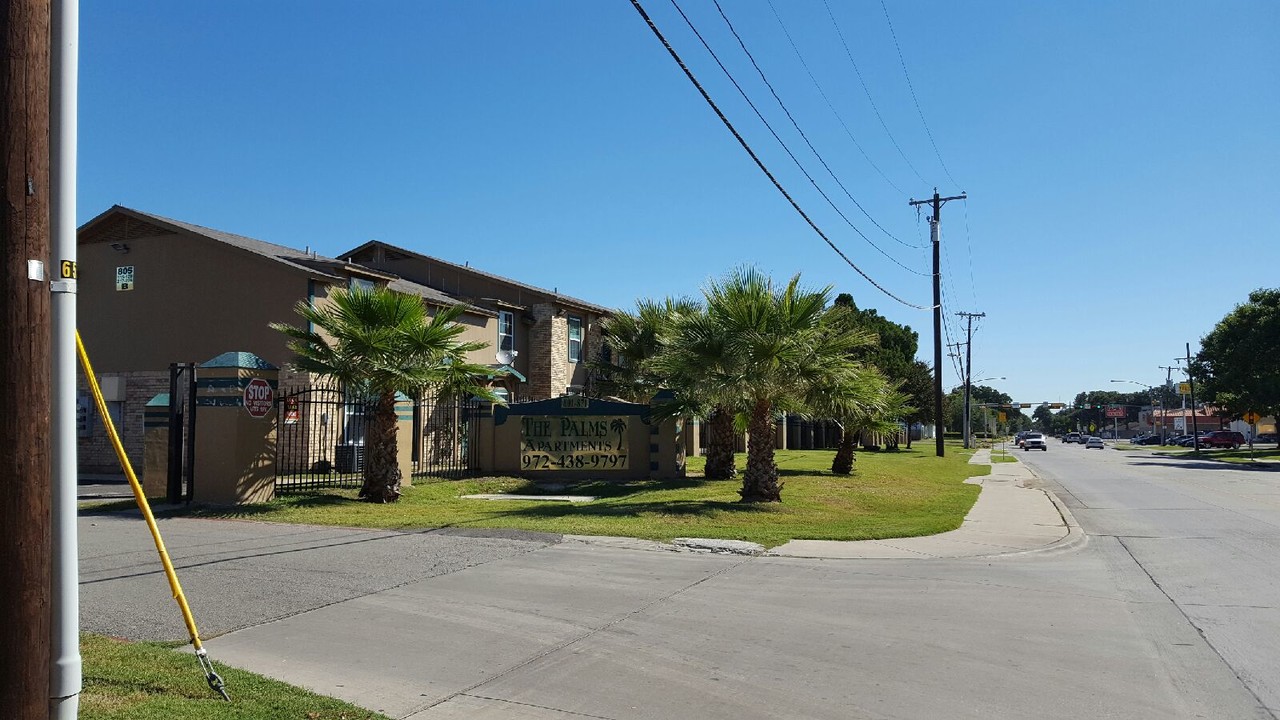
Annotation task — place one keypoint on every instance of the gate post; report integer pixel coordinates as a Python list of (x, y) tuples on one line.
[(155, 447), (404, 438), (235, 458)]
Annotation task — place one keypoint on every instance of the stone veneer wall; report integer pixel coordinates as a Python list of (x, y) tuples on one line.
[(549, 353)]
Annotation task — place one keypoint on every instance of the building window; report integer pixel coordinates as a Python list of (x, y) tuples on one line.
[(362, 284), (506, 331), (575, 339)]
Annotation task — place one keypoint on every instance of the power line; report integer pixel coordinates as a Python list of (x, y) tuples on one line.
[(913, 95), (796, 125), (783, 143), (689, 74), (849, 54), (823, 93)]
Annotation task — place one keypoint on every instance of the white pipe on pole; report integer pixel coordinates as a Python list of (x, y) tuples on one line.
[(66, 677)]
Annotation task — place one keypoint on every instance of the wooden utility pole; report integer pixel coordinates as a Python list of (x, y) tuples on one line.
[(968, 372), (935, 233), (25, 339)]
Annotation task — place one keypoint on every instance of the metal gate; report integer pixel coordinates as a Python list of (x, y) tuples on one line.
[(443, 436), (180, 486), (320, 439)]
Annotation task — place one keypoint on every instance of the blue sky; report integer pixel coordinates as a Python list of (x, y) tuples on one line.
[(1120, 157)]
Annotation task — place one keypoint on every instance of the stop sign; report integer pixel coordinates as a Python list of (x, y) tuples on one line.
[(258, 397)]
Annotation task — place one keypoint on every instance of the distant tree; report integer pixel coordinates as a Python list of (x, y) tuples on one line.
[(1043, 418), (1238, 366)]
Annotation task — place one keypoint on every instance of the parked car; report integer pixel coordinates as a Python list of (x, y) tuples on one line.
[(1265, 438), (1223, 439), (1094, 442), (1147, 440), (1034, 441), (1071, 437), (1175, 439)]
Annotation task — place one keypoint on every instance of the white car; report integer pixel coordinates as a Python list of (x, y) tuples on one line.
[(1034, 441), (1094, 442)]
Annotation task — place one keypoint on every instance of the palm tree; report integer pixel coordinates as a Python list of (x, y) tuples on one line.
[(865, 405), (632, 340), (376, 343), (780, 346), (694, 363), (640, 364)]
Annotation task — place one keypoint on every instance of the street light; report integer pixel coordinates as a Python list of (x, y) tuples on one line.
[(1151, 392)]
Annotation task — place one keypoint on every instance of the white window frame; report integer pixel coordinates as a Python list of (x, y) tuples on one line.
[(575, 354), (507, 318)]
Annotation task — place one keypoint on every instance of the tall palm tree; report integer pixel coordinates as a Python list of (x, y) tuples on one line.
[(376, 343), (693, 361), (781, 345)]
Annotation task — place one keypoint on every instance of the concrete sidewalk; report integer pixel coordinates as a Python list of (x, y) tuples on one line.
[(1009, 517)]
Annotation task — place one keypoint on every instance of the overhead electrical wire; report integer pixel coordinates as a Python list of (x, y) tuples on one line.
[(796, 125), (823, 93), (760, 164), (783, 143), (968, 243), (849, 54), (913, 95)]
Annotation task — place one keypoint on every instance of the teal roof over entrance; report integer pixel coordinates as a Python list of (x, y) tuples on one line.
[(246, 360)]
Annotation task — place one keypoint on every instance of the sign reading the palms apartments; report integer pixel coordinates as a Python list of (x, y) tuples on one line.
[(579, 442)]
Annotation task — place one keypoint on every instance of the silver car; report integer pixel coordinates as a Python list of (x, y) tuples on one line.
[(1094, 442)]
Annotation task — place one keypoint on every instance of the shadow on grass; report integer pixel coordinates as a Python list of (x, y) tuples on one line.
[(1195, 463), (676, 508), (300, 500)]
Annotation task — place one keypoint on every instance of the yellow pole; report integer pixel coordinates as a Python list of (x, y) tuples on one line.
[(215, 682)]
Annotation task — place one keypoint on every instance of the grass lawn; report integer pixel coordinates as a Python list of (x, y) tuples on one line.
[(1003, 456), (1262, 454), (150, 681), (891, 494)]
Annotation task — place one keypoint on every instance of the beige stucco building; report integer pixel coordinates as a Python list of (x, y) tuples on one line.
[(155, 291)]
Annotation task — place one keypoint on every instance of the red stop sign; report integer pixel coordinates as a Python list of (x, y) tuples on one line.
[(258, 397)]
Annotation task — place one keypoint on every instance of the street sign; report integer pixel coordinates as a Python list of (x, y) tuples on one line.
[(1252, 417), (1115, 412), (258, 397), (1003, 417), (1184, 388), (1055, 406)]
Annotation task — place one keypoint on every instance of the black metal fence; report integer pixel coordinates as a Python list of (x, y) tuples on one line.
[(320, 439), (444, 443)]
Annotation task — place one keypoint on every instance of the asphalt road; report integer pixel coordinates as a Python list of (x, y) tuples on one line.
[(1167, 611), (1206, 533)]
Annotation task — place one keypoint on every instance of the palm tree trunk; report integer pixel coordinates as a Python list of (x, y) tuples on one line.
[(381, 471), (760, 481), (720, 439), (842, 464)]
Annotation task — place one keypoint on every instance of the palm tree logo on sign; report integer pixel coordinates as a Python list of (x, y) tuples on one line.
[(619, 426)]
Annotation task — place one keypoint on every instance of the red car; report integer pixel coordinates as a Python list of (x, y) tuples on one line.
[(1223, 439)]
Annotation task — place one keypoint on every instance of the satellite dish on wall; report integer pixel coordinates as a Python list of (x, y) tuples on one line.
[(506, 356)]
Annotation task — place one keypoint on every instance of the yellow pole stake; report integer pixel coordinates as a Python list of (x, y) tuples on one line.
[(215, 682)]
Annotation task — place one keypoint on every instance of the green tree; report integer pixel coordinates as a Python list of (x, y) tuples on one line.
[(779, 344), (631, 341), (1043, 418), (376, 343), (1238, 366), (866, 403)]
